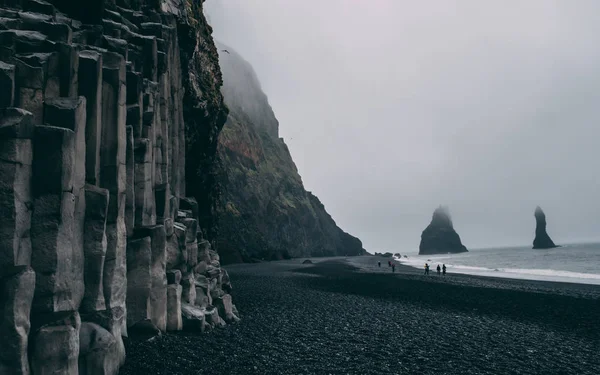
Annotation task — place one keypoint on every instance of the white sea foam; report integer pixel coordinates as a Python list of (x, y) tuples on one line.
[(514, 273)]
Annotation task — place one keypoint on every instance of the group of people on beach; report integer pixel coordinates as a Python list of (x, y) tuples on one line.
[(390, 264), (440, 270)]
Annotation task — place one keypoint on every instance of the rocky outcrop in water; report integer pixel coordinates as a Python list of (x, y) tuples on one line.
[(265, 212), (542, 240), (440, 237), (98, 240)]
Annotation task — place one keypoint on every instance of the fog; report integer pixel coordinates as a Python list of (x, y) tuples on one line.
[(391, 108)]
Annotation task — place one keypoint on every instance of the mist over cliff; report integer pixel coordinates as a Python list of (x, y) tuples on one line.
[(392, 107), (264, 210)]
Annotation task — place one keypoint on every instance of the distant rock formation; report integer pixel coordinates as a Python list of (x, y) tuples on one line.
[(265, 212), (440, 237), (542, 239)]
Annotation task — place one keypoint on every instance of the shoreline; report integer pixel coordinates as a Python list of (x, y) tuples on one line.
[(337, 316), (593, 279), (548, 286)]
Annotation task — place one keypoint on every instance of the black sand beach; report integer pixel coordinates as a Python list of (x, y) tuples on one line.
[(347, 316)]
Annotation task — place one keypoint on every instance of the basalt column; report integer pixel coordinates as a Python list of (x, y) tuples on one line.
[(93, 244), (113, 178)]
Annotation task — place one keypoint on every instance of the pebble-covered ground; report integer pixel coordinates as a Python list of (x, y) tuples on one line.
[(329, 318)]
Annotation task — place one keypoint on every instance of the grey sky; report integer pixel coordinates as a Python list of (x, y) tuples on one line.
[(392, 107)]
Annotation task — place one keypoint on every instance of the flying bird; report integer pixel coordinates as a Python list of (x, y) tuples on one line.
[(224, 50)]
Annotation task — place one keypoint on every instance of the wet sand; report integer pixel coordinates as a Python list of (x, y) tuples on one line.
[(348, 316)]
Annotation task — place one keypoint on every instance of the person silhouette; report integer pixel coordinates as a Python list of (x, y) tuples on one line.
[(426, 269), (438, 269), (444, 269)]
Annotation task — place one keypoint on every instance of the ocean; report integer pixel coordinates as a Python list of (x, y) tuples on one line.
[(576, 263)]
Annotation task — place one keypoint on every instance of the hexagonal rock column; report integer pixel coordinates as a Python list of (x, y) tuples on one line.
[(69, 67), (52, 222), (161, 197), (225, 308), (113, 177), (193, 317), (7, 85), (139, 280), (70, 113), (130, 182), (113, 320), (90, 86), (94, 248), (191, 244), (98, 351), (46, 65), (56, 347), (16, 131), (203, 297), (176, 249), (30, 82), (188, 294), (134, 102), (17, 291), (174, 322), (158, 292), (145, 213)]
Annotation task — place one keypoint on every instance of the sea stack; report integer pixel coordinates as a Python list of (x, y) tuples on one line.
[(440, 237), (542, 239)]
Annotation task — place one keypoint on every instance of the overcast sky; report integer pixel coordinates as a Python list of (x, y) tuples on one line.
[(392, 107)]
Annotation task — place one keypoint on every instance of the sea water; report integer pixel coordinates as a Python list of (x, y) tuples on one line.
[(577, 263)]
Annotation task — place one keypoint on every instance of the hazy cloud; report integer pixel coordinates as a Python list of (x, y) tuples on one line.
[(392, 107)]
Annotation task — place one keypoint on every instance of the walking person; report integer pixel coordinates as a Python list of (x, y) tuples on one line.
[(379, 264), (393, 267), (438, 269), (426, 269), (444, 269)]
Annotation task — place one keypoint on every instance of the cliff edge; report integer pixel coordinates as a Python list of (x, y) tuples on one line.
[(440, 237), (264, 211)]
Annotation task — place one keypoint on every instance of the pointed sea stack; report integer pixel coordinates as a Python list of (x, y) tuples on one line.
[(440, 237), (542, 239)]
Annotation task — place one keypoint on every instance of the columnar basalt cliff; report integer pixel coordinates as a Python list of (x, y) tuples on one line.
[(101, 103), (542, 240), (440, 237), (265, 212)]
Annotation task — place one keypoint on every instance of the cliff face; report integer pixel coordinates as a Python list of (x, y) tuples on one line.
[(542, 239), (109, 113), (440, 237), (264, 211)]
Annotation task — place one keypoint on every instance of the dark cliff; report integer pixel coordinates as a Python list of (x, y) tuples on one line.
[(542, 239), (109, 113), (264, 211), (440, 237)]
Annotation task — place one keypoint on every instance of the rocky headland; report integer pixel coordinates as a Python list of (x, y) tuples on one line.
[(542, 240), (109, 117), (440, 237), (264, 211)]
